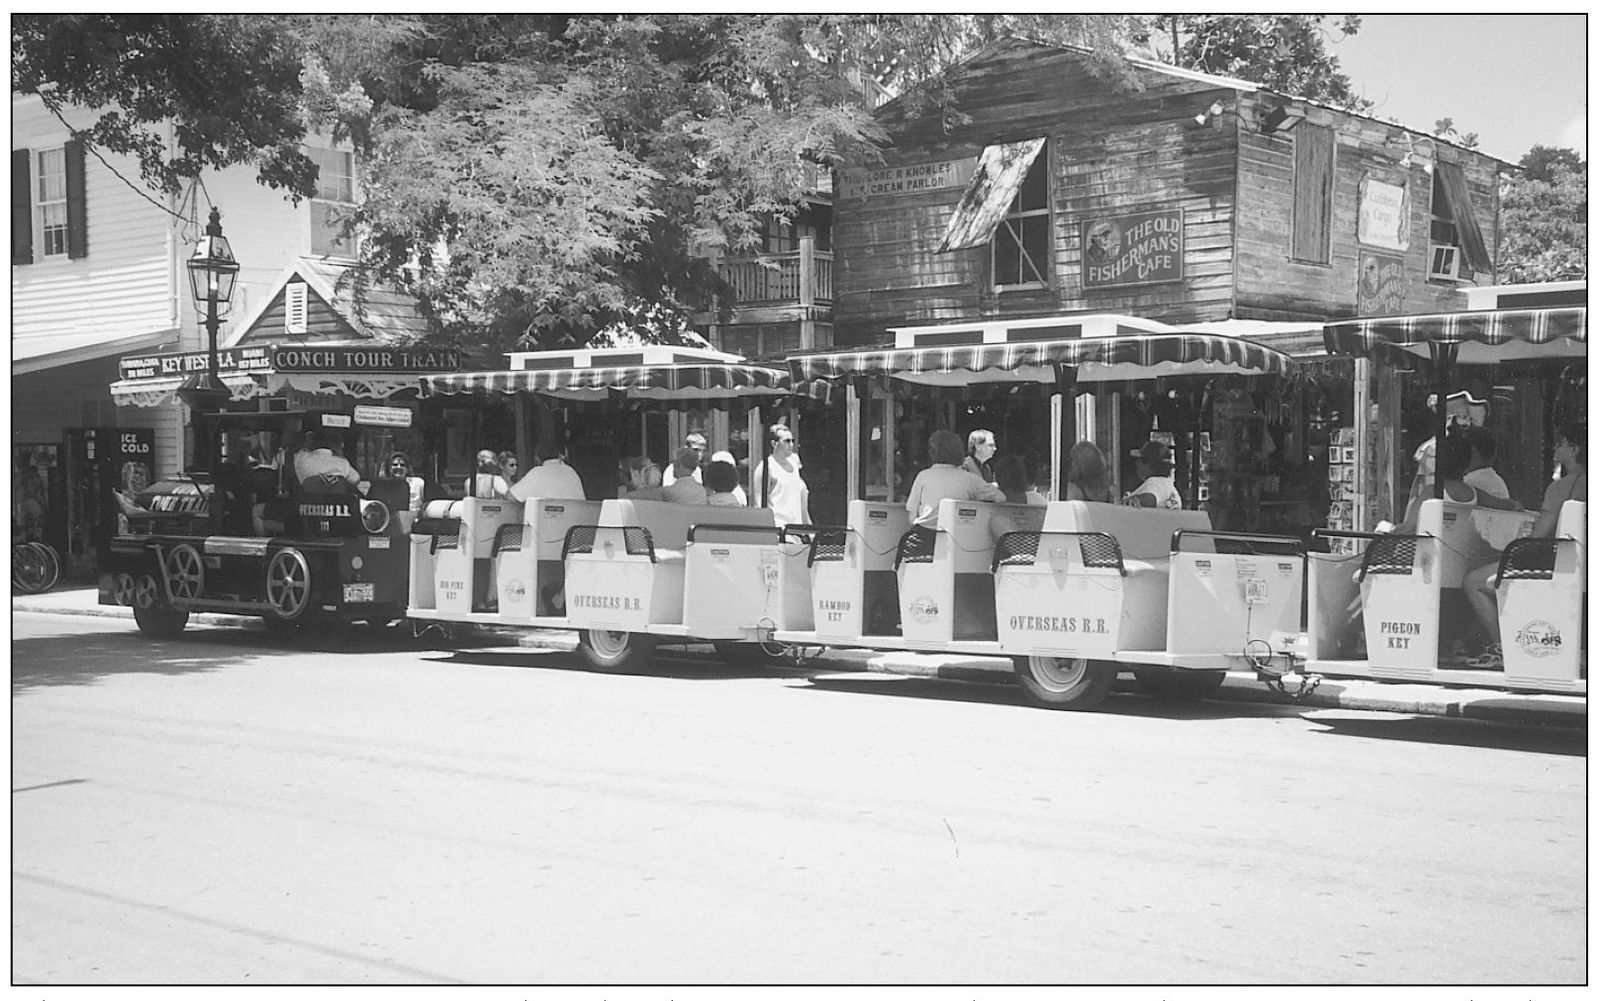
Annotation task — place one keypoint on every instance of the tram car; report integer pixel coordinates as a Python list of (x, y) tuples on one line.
[(254, 538)]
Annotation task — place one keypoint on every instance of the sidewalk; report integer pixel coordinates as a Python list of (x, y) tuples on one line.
[(1331, 693)]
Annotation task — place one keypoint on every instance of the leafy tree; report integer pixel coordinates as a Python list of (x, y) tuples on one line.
[(1446, 129), (1543, 231), (1283, 52), (229, 86)]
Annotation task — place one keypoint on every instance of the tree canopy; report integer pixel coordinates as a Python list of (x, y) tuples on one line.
[(1543, 232)]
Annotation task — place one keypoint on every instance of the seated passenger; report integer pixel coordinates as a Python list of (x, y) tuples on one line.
[(1013, 480), (639, 479), (686, 489), (551, 477), (487, 482), (739, 491), (1453, 465), (945, 478), (722, 482), (1479, 584), (1157, 489), (1482, 452), (322, 470), (1086, 477)]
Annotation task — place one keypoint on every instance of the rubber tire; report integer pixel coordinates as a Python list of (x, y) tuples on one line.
[(1064, 683), (152, 613), (1177, 685), (616, 652)]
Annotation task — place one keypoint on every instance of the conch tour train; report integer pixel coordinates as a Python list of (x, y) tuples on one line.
[(1074, 584)]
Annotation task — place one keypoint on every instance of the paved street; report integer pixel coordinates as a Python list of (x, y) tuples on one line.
[(228, 809)]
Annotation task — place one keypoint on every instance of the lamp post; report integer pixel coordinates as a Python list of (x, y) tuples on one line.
[(212, 270)]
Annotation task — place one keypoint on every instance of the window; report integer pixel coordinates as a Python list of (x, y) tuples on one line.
[(1457, 247), (52, 202), (295, 308), (336, 194), (1020, 252), (1313, 199)]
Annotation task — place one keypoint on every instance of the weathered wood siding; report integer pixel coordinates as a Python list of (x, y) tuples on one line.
[(1270, 285), (1117, 151), (1109, 151)]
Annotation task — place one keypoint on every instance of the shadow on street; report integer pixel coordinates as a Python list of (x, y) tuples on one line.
[(1456, 732)]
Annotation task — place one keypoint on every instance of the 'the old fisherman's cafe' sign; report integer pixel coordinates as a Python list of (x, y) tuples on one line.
[(1143, 248)]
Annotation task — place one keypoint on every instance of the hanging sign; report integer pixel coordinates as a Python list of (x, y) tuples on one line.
[(1140, 249), (1379, 284), (254, 358), (1382, 214)]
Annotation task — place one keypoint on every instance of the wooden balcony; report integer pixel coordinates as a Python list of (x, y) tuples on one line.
[(802, 278)]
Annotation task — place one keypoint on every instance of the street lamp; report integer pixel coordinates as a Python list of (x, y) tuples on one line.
[(212, 270)]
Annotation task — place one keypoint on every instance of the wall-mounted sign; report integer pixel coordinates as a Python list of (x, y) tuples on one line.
[(908, 179), (254, 358), (1382, 211), (393, 417), (292, 358), (1380, 284), (1139, 249)]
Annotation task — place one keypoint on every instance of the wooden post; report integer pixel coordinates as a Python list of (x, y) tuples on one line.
[(808, 293)]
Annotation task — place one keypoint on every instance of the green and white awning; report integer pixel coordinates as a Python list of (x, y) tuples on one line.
[(1482, 337)]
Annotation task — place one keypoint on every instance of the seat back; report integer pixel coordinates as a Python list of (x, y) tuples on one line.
[(1142, 533)]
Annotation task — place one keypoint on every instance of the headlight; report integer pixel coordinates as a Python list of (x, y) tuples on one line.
[(375, 516)]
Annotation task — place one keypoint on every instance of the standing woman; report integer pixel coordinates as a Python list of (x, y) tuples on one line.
[(398, 467), (786, 490)]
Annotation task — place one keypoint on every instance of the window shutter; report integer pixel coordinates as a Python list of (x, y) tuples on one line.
[(21, 206), (295, 308), (77, 203), (1315, 193), (1462, 206)]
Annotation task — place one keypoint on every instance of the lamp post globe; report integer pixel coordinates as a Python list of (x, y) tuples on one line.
[(212, 271)]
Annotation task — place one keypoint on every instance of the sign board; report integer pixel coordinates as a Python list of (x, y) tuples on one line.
[(1145, 248), (389, 417), (254, 358), (907, 179), (1380, 284), (293, 358), (1382, 212)]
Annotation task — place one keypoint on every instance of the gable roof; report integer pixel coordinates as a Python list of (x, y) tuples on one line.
[(1015, 42), (387, 314)]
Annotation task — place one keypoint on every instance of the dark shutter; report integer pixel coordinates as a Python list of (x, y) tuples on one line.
[(1315, 193), (1462, 207), (77, 205), (21, 207)]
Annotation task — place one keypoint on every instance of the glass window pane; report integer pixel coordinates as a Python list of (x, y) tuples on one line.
[(1033, 193), (1036, 247), (1008, 255)]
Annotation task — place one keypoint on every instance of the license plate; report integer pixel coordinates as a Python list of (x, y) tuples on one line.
[(1256, 591), (359, 593)]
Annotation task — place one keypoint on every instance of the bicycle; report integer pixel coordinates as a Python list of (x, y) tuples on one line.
[(35, 567)]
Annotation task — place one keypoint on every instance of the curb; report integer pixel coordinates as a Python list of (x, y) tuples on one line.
[(1361, 694)]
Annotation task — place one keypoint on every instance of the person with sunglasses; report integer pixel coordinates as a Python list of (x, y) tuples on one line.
[(786, 492), (398, 467)]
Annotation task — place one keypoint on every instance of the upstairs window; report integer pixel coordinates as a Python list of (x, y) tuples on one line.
[(336, 196), (1007, 205), (52, 202), (1021, 250), (1457, 247)]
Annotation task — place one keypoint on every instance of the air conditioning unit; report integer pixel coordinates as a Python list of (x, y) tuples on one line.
[(1443, 262)]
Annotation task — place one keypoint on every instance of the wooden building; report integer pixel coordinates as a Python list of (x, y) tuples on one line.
[(1187, 198)]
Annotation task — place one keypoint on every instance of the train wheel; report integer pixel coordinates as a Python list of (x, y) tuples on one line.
[(615, 652), (122, 588), (1174, 685), (153, 612), (1066, 682), (30, 571), (288, 584), (186, 575)]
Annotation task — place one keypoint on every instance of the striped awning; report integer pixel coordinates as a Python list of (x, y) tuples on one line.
[(161, 392), (703, 381), (1482, 337), (1096, 359)]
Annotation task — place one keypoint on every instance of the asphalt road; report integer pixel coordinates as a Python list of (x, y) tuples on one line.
[(232, 808)]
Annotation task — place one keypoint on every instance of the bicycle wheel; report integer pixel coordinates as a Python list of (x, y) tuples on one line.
[(52, 562), (30, 571)]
